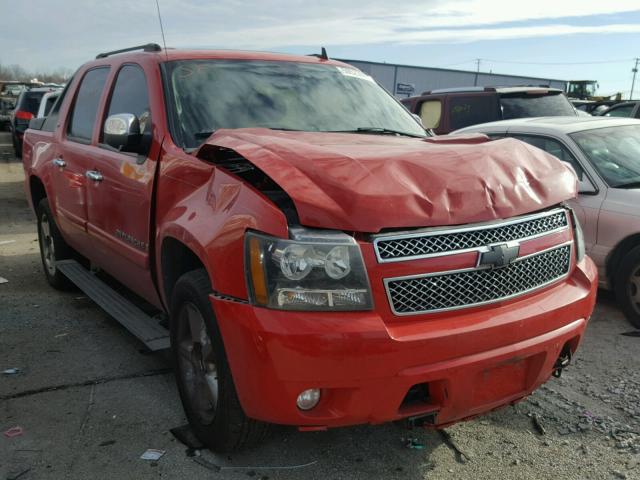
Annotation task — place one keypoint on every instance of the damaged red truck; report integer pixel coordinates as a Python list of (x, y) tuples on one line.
[(323, 261)]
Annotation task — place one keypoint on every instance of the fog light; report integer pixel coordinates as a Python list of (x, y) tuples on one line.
[(308, 399)]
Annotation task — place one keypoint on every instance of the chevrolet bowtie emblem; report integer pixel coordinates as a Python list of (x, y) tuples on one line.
[(498, 256)]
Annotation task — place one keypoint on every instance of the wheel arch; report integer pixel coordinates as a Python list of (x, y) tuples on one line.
[(615, 257), (176, 259), (37, 191)]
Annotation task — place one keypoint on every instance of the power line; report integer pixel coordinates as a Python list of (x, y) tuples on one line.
[(457, 63), (475, 61), (595, 62)]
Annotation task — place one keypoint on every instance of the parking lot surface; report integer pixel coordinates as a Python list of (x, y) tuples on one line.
[(89, 400)]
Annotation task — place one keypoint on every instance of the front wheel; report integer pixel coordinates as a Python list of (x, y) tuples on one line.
[(627, 285), (204, 379)]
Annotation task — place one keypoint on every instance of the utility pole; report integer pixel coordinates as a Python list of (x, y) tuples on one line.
[(633, 82), (478, 60)]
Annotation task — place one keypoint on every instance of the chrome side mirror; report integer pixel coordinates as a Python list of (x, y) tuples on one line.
[(122, 132)]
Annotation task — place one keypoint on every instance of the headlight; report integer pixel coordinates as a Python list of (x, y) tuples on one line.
[(578, 236), (314, 270)]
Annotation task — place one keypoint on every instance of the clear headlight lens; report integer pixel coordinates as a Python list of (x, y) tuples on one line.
[(296, 262), (578, 236), (337, 264), (315, 270)]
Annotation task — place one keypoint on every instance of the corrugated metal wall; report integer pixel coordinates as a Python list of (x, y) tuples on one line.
[(424, 78)]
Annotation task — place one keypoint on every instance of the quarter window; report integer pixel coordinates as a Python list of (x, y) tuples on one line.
[(51, 121), (83, 116)]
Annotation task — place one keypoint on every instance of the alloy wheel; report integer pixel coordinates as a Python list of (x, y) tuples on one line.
[(197, 364), (46, 245)]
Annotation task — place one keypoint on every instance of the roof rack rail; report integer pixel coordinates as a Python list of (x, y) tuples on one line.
[(149, 47)]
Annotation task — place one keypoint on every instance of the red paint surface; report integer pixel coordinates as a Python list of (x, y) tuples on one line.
[(365, 183), (364, 361)]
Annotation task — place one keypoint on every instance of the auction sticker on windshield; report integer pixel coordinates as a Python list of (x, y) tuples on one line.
[(354, 72)]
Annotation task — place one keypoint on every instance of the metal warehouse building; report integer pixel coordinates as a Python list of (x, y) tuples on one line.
[(406, 80)]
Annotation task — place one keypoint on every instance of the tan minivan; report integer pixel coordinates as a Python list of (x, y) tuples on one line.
[(605, 153)]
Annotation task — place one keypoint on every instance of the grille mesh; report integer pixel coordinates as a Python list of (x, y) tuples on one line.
[(407, 247), (473, 287)]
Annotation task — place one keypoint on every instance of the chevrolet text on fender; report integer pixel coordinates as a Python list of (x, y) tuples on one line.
[(322, 260)]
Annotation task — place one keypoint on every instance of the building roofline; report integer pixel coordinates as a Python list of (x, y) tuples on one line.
[(451, 70)]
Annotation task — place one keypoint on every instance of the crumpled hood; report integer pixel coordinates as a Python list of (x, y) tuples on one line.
[(366, 183)]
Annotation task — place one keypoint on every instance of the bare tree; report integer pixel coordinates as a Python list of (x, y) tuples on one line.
[(17, 72)]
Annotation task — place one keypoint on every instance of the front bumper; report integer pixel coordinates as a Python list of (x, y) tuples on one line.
[(472, 360)]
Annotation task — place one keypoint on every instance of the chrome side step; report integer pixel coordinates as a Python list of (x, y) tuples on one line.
[(145, 328)]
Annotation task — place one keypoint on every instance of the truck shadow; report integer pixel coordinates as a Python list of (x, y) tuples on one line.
[(365, 452)]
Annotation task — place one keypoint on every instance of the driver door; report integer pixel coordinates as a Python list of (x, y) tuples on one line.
[(119, 191)]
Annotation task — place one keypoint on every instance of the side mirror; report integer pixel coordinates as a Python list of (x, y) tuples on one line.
[(122, 132), (585, 186)]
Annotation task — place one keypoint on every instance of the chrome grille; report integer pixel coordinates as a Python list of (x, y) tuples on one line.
[(425, 244), (465, 288)]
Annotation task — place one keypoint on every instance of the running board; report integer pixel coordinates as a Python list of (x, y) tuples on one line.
[(145, 328)]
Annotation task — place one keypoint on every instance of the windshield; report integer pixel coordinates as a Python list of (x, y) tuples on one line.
[(614, 152), (213, 94), (524, 105)]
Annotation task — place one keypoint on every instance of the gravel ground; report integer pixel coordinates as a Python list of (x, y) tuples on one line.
[(90, 401)]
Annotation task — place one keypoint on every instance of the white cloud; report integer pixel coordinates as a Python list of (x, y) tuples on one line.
[(75, 30)]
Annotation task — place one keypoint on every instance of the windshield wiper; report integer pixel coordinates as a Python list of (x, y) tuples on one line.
[(376, 130), (634, 184), (204, 134), (207, 133)]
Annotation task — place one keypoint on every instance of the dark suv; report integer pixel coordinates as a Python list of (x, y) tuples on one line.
[(446, 110), (26, 109)]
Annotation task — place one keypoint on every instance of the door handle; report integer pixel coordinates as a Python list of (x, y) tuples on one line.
[(60, 163), (94, 175)]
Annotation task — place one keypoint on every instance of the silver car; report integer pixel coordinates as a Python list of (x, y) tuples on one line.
[(605, 154)]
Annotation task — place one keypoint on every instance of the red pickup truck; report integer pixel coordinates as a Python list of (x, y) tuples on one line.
[(322, 260)]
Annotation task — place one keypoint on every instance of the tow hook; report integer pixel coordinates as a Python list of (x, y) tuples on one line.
[(421, 420), (562, 362)]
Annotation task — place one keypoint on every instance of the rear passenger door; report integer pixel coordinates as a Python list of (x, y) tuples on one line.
[(590, 196), (120, 193), (71, 157)]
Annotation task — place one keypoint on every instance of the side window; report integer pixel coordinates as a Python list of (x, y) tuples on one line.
[(83, 115), (554, 148), (471, 110), (624, 111), (430, 113), (130, 95)]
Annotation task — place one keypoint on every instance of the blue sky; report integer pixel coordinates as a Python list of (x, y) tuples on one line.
[(510, 37)]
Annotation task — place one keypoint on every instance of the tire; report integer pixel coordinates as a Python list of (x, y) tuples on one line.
[(203, 375), (627, 286), (52, 247)]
